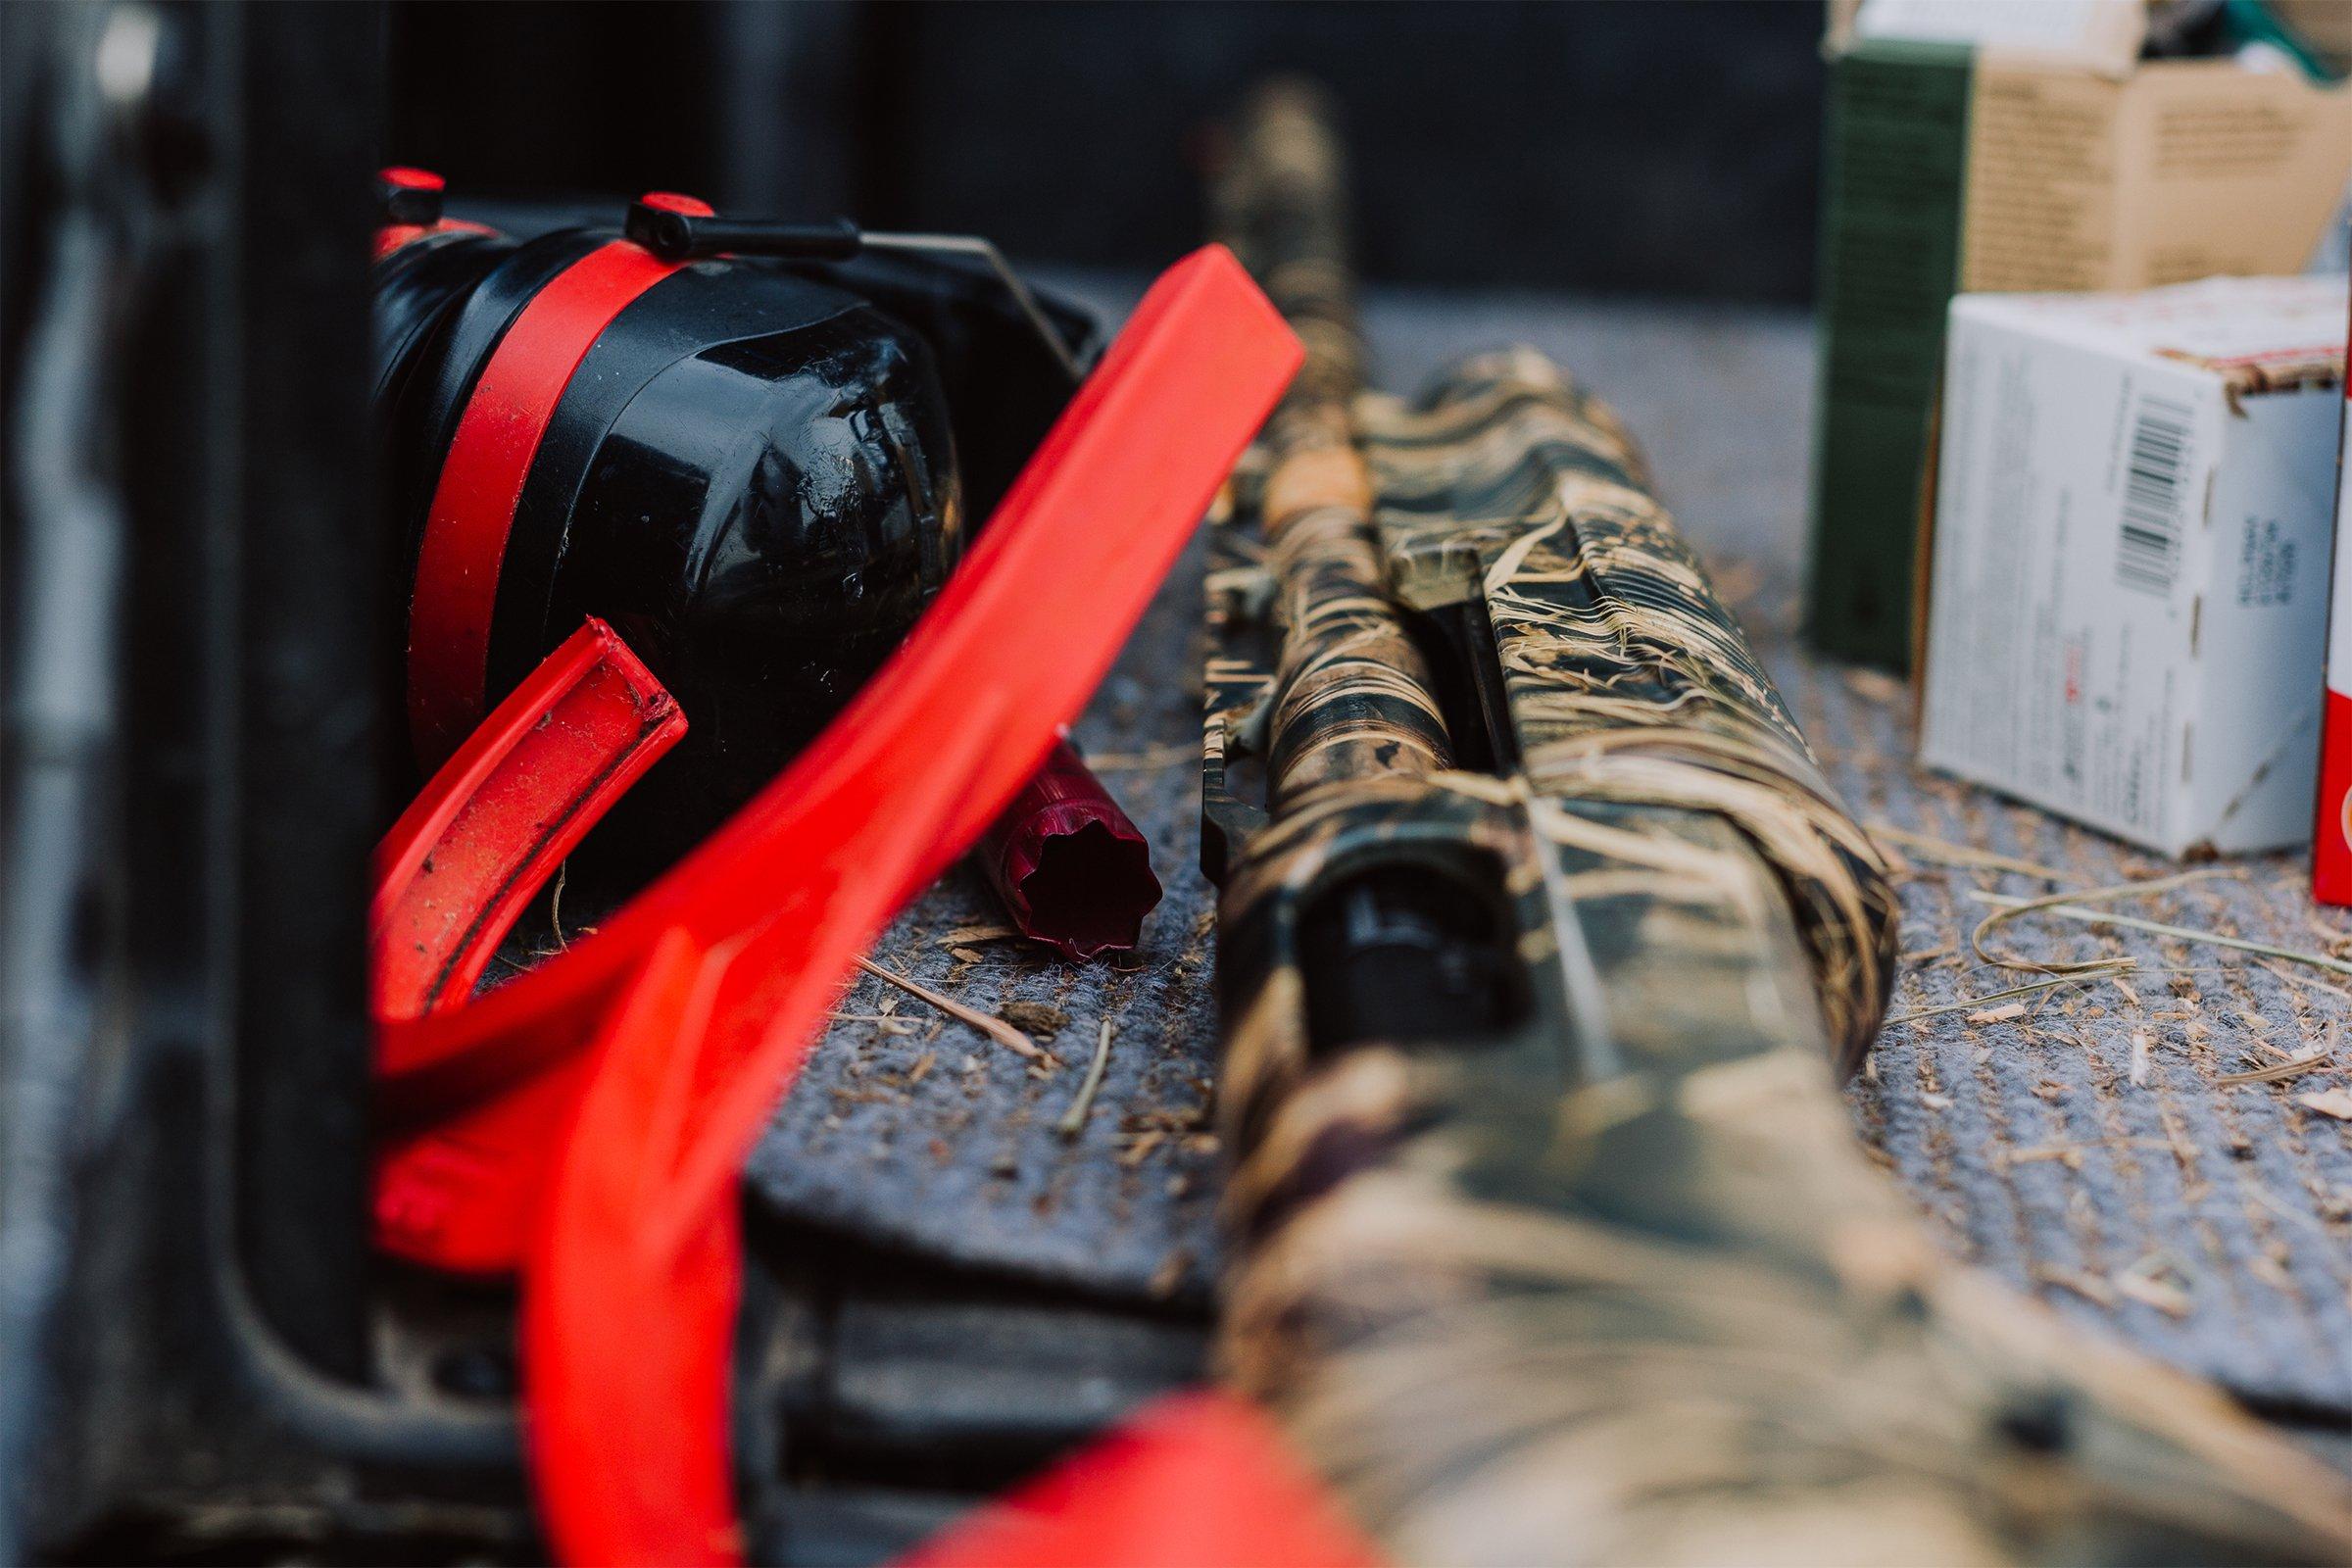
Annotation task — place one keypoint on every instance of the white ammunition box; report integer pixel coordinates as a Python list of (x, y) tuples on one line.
[(2133, 505)]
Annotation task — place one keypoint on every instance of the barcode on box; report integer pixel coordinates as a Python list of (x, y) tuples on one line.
[(2147, 549)]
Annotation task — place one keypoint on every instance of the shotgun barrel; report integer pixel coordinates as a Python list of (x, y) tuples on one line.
[(1544, 945)]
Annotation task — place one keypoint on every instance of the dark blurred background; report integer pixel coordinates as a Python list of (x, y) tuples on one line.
[(1656, 147)]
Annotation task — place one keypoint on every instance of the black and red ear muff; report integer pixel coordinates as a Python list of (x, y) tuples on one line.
[(746, 470), (747, 446)]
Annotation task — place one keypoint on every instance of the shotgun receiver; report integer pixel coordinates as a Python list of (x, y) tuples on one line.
[(1543, 947)]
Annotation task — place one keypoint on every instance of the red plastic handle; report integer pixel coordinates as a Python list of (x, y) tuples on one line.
[(498, 818), (452, 876)]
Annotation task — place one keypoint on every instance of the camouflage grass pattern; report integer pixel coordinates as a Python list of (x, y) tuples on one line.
[(1618, 1285)]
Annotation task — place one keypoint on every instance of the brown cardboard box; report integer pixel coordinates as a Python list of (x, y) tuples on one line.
[(1953, 168)]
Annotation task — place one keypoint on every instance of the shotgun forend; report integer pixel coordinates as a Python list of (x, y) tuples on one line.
[(1544, 945)]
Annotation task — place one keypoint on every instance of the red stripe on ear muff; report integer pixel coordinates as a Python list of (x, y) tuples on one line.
[(481, 484)]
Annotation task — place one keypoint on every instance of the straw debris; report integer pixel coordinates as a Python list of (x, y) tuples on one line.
[(997, 1029)]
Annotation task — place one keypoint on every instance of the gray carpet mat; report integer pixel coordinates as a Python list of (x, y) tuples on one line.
[(2088, 1146)]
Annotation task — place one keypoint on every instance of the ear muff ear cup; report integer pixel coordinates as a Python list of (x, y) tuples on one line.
[(750, 472)]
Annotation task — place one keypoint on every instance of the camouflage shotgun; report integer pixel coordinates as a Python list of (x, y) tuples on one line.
[(1544, 945)]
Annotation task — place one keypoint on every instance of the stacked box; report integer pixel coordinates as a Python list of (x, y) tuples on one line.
[(1953, 168), (2134, 505)]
